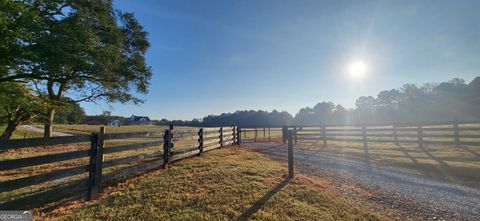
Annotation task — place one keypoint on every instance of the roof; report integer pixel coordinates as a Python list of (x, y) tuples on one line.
[(138, 118)]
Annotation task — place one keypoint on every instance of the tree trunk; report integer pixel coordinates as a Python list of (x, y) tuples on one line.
[(14, 119), (48, 129), (7, 133)]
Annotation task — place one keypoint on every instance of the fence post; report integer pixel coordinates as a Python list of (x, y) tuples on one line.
[(264, 134), (91, 166), (221, 137), (456, 133), (255, 135), (200, 141), (239, 137), (234, 135), (395, 137), (269, 137), (295, 134), (167, 147), (420, 134), (364, 135), (172, 135), (324, 135), (284, 134), (97, 144), (290, 154)]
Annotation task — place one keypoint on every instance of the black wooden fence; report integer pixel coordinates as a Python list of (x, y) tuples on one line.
[(262, 133), (173, 145), (419, 133)]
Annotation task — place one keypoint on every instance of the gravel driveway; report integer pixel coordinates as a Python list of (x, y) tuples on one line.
[(40, 130), (462, 201)]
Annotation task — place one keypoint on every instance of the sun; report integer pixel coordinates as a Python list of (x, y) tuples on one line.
[(357, 69)]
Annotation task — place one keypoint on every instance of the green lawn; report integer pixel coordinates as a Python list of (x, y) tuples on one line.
[(225, 184)]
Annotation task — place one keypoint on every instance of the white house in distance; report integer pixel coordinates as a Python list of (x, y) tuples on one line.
[(139, 120), (115, 122)]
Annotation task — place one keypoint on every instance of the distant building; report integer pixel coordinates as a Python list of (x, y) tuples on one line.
[(139, 120), (115, 122)]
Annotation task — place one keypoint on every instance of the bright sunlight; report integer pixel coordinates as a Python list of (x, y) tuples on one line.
[(357, 70)]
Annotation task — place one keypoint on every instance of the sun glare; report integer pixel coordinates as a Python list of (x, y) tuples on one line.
[(357, 70)]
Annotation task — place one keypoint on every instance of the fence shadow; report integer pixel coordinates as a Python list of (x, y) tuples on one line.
[(474, 153), (259, 204)]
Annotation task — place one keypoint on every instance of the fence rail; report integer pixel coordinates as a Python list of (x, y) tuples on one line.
[(420, 133), (190, 142), (448, 133)]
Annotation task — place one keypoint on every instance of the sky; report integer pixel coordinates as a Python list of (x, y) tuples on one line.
[(211, 57)]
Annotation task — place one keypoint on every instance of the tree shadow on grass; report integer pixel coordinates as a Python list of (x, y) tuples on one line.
[(259, 204)]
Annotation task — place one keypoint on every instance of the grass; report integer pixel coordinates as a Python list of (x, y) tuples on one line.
[(274, 133), (226, 184), (88, 129), (458, 164), (22, 133)]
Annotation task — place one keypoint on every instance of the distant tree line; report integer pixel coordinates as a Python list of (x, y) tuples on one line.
[(243, 118), (444, 101)]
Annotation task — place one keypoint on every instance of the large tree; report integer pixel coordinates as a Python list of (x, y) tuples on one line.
[(16, 21), (85, 50), (17, 104), (71, 113)]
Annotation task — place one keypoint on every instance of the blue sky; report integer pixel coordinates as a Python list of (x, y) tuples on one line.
[(210, 57)]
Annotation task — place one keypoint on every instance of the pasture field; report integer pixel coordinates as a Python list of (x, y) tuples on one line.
[(22, 133), (459, 164), (272, 134), (82, 129), (455, 163), (224, 184)]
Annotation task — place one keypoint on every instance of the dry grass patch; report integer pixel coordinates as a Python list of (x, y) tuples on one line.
[(225, 184)]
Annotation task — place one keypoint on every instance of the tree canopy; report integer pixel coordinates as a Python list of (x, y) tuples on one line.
[(84, 50), (71, 113)]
